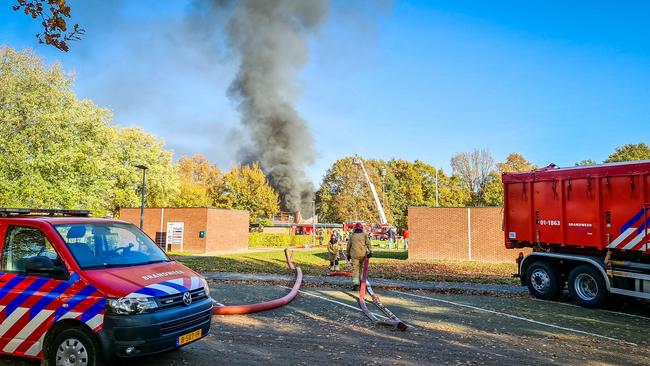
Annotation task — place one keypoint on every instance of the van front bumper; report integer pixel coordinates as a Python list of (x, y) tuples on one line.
[(145, 334)]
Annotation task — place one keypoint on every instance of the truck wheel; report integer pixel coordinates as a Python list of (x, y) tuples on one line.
[(544, 281), (587, 286), (74, 347)]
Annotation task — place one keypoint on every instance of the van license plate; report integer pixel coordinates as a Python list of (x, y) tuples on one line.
[(189, 337)]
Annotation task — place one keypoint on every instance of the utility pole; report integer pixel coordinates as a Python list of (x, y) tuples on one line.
[(144, 181)]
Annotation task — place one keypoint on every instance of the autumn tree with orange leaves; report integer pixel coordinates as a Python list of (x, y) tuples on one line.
[(52, 15)]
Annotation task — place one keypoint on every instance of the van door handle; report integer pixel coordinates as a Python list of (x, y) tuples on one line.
[(2, 280)]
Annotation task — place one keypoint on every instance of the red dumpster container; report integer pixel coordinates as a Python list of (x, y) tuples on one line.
[(588, 209)]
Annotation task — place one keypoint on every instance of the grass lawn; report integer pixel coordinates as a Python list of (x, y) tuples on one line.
[(384, 264)]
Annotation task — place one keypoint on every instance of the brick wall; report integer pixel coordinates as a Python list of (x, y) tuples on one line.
[(442, 233), (224, 229), (227, 230)]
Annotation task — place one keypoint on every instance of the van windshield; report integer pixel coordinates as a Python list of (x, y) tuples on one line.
[(103, 245)]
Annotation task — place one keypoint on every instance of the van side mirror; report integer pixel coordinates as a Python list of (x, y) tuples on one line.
[(40, 264)]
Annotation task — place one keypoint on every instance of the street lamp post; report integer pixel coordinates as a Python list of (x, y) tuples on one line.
[(144, 181), (313, 221), (382, 172), (436, 187)]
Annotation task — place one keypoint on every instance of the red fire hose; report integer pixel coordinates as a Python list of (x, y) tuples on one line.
[(340, 274), (392, 320), (267, 305)]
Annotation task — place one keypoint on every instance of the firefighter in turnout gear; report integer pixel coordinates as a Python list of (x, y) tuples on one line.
[(358, 249), (333, 247)]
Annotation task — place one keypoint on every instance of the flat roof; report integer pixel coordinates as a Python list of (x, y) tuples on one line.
[(183, 208)]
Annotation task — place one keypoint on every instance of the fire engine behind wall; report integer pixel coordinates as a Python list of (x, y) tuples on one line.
[(588, 227)]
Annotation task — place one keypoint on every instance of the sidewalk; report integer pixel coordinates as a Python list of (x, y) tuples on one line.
[(376, 283)]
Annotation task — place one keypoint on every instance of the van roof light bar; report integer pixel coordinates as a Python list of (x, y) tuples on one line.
[(6, 212)]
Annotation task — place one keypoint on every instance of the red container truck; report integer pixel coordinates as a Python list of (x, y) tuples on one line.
[(588, 227)]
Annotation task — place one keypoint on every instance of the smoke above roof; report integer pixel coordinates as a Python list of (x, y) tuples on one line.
[(271, 38)]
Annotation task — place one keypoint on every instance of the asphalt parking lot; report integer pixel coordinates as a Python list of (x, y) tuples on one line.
[(323, 326)]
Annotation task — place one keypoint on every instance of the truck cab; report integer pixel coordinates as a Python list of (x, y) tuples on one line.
[(77, 290)]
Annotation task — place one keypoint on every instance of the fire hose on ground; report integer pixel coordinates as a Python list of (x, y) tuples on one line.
[(267, 305), (391, 319)]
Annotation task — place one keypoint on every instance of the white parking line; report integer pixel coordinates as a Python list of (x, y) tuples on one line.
[(516, 317), (335, 302), (603, 310)]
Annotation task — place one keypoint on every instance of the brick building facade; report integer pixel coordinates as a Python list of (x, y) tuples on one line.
[(194, 230), (458, 233)]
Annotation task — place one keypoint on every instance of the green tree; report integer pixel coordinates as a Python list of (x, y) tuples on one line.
[(132, 146), (515, 163), (452, 191), (406, 187), (246, 188), (630, 152), (58, 151), (344, 194), (201, 182), (53, 152), (415, 185), (586, 162), (492, 194)]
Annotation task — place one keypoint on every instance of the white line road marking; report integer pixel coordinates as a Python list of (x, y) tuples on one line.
[(602, 310), (336, 302), (517, 317)]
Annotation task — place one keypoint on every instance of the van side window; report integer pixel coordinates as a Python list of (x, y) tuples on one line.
[(21, 243)]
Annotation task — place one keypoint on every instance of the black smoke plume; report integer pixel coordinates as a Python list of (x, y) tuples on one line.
[(271, 39)]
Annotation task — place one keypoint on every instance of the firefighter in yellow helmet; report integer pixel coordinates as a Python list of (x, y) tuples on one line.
[(358, 249), (333, 247)]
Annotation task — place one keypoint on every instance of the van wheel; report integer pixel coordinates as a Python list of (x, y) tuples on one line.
[(587, 286), (544, 281), (74, 347)]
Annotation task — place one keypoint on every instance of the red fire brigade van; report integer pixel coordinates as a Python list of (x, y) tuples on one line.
[(77, 290)]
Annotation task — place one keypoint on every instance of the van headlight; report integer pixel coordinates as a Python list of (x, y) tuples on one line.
[(206, 288), (133, 305)]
